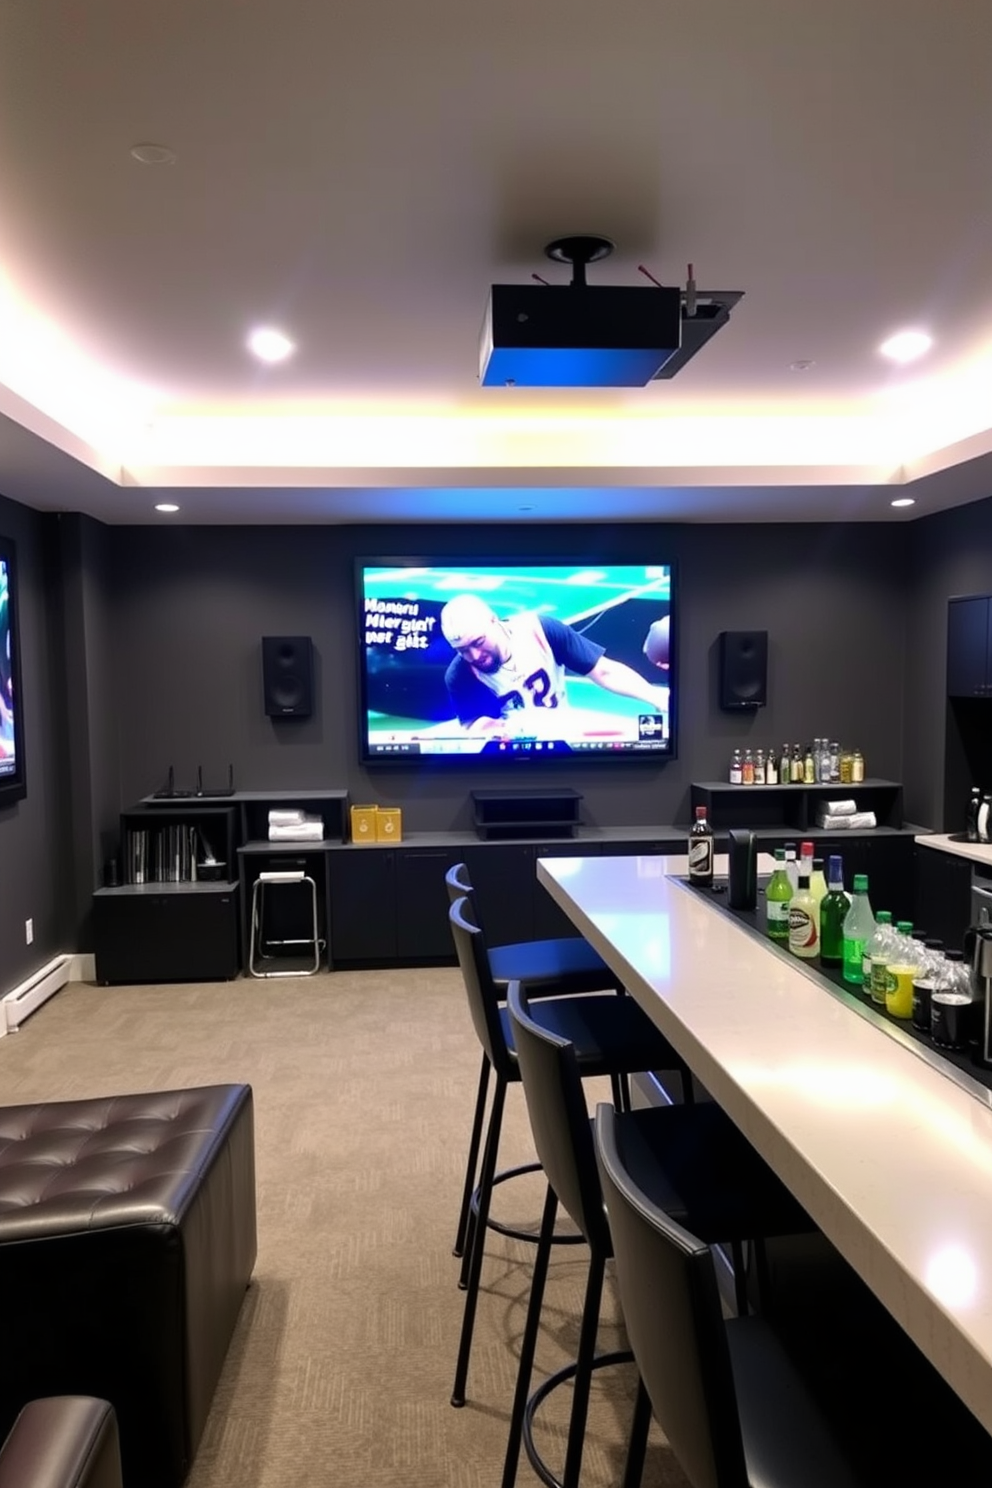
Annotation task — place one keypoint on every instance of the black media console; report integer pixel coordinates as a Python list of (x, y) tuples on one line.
[(381, 904)]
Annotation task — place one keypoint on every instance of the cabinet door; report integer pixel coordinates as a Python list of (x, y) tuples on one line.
[(422, 930), (891, 876), (165, 937), (967, 647), (362, 884), (943, 896)]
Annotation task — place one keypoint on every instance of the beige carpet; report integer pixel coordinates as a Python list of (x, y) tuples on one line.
[(340, 1371)]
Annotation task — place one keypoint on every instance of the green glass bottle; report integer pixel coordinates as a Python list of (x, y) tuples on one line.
[(833, 909), (777, 896)]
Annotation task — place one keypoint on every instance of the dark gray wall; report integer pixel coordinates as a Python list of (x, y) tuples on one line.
[(33, 836), (191, 606), (93, 703), (951, 554), (141, 649)]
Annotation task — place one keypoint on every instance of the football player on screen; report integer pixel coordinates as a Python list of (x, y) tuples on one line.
[(504, 666)]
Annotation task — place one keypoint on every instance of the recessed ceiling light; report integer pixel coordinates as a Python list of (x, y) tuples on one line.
[(153, 154), (906, 346), (270, 345), (802, 365), (166, 506), (904, 501)]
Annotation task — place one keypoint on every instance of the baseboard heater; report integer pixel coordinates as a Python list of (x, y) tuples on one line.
[(26, 998)]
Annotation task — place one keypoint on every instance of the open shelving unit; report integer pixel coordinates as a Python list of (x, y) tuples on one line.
[(792, 808)]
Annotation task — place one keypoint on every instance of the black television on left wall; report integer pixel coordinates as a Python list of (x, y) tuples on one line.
[(13, 778)]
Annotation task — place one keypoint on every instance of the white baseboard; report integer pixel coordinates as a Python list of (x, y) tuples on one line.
[(28, 996)]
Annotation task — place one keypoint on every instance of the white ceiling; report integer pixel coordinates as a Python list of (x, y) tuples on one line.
[(359, 174)]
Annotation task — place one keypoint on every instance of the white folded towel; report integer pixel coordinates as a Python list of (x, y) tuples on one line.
[(300, 831), (858, 821), (279, 818), (838, 808)]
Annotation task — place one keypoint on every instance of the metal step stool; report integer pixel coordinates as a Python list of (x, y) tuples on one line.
[(262, 949)]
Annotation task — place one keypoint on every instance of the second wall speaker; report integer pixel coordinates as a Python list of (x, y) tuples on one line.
[(743, 669), (287, 676)]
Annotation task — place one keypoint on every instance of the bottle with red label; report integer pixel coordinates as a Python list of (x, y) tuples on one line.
[(701, 851), (804, 921)]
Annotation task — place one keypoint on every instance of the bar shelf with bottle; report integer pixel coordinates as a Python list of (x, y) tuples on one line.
[(962, 1051), (776, 808)]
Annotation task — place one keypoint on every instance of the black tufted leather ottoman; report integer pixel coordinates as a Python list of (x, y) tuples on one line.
[(127, 1239)]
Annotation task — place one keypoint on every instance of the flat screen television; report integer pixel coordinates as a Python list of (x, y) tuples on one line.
[(13, 784), (524, 662)]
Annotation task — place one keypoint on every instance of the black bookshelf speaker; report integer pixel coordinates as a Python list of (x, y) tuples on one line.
[(743, 669), (287, 676)]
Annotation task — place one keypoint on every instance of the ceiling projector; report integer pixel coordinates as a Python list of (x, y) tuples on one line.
[(579, 335)]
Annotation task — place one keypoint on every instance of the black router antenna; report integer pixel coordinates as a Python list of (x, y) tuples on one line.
[(579, 250)]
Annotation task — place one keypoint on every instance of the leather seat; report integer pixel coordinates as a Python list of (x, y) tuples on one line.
[(127, 1239), (65, 1441)]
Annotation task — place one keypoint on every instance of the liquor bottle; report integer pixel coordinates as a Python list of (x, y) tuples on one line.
[(771, 768), (818, 884), (785, 766), (796, 765), (834, 763), (833, 911), (736, 768), (806, 858), (777, 896), (857, 767), (804, 921), (823, 763), (701, 851), (791, 866), (809, 767), (759, 767), (748, 768), (859, 925)]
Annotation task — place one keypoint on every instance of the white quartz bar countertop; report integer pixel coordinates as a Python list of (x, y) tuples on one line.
[(892, 1157)]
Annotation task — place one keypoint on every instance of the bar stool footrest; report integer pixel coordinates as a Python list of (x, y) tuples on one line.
[(560, 1377), (571, 1237)]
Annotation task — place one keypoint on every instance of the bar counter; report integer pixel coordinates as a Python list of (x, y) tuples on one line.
[(891, 1156)]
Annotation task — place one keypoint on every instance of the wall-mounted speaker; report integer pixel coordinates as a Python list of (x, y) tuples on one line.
[(287, 676), (743, 669)]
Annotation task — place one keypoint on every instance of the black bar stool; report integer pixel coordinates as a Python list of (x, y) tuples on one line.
[(732, 1406), (693, 1161), (550, 968), (609, 1035)]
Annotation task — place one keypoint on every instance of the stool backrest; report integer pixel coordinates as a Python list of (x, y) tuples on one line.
[(674, 1321), (480, 989), (559, 1119), (458, 883)]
